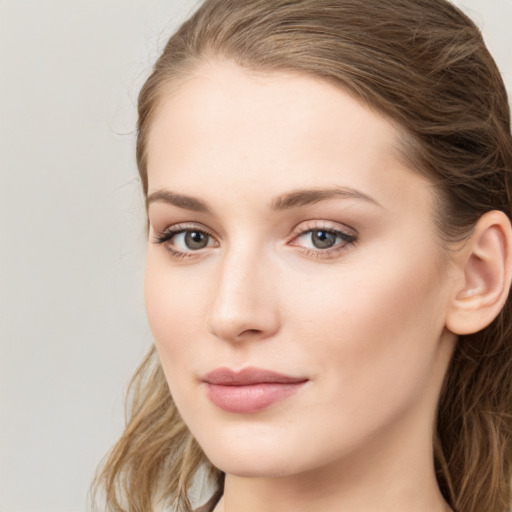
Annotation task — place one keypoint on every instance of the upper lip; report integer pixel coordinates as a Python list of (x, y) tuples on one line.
[(247, 376)]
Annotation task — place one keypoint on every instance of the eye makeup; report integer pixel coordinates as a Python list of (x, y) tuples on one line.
[(318, 239)]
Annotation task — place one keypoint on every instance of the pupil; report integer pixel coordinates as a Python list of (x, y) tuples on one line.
[(196, 240), (323, 239)]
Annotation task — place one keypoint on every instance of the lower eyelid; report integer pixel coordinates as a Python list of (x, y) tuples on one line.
[(319, 254), (178, 255)]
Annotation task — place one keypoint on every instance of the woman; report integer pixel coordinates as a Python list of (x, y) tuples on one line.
[(329, 260)]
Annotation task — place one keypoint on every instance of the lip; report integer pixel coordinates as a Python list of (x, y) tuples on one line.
[(249, 390)]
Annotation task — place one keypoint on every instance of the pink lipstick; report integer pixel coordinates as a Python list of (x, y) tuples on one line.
[(249, 390)]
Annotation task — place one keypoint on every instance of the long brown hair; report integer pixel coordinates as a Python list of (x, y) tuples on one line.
[(424, 65)]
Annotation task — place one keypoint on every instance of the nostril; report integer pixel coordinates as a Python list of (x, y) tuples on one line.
[(250, 331), (247, 334)]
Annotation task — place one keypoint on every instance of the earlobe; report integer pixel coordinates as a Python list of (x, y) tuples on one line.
[(486, 268)]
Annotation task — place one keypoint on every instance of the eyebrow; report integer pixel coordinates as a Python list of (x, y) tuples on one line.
[(289, 200), (179, 200), (306, 197)]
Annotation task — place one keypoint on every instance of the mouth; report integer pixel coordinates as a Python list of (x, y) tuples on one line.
[(249, 390)]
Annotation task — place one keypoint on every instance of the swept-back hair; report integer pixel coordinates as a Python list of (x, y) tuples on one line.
[(424, 65)]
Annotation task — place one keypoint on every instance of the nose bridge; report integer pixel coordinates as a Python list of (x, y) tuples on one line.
[(244, 302)]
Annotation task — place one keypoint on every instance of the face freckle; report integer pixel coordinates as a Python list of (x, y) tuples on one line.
[(360, 319)]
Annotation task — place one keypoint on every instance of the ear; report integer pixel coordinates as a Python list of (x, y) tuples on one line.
[(485, 266)]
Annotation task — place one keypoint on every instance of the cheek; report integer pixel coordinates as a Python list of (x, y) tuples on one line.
[(175, 313), (373, 326)]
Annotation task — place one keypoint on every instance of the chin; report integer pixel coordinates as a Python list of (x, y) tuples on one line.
[(250, 456), (251, 466)]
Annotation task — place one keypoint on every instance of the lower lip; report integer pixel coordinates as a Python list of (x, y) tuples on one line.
[(250, 398)]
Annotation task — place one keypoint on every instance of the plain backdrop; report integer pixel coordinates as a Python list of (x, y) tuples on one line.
[(72, 322)]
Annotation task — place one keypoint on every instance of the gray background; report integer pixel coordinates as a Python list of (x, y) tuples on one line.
[(72, 325)]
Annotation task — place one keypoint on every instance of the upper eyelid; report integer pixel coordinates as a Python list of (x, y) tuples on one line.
[(312, 225), (187, 226), (299, 228)]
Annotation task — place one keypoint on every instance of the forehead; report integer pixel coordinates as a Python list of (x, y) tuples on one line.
[(222, 101), (285, 129)]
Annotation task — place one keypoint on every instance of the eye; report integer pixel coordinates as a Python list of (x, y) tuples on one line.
[(191, 239), (182, 241), (322, 241)]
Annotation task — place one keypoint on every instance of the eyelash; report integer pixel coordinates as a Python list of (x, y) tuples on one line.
[(168, 234), (348, 239)]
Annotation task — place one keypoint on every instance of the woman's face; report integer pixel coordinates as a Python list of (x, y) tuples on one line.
[(287, 237)]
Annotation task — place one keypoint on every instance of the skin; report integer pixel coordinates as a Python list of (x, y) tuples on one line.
[(364, 321)]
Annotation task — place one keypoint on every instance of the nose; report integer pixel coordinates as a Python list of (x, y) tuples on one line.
[(244, 305)]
